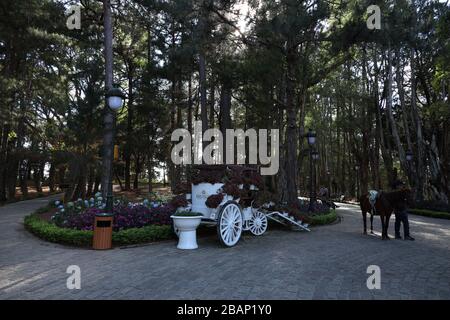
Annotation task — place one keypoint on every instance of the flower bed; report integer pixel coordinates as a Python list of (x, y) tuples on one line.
[(83, 238), (125, 217), (73, 223), (80, 215)]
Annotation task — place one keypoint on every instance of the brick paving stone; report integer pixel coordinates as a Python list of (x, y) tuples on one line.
[(328, 263)]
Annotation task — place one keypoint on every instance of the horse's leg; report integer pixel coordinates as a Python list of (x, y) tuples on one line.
[(371, 223), (382, 227), (387, 217), (364, 214)]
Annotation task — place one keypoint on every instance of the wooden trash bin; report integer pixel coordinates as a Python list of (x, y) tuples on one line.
[(103, 231)]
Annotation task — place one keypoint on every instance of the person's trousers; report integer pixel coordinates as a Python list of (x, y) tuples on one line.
[(401, 217)]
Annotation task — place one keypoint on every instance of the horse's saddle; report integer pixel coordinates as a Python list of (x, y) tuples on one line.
[(373, 195)]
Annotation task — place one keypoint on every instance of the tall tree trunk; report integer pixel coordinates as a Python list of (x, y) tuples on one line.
[(392, 122), (202, 80), (420, 154), (225, 115), (291, 130), (137, 169), (212, 101), (387, 159), (51, 177)]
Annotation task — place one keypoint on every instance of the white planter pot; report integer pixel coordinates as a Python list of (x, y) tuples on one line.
[(187, 226), (188, 196), (241, 186)]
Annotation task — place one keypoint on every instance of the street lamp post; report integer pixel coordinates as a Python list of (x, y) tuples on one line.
[(329, 182), (409, 158), (357, 180), (311, 137), (115, 98)]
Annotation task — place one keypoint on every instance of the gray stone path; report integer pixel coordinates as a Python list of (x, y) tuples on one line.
[(328, 263)]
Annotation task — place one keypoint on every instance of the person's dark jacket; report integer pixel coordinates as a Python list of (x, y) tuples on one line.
[(400, 206), (396, 184)]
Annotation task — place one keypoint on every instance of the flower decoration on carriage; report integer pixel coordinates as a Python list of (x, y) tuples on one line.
[(182, 188), (214, 200), (232, 189), (179, 201)]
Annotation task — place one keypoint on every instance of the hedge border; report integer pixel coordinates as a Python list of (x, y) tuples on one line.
[(430, 213), (323, 219), (83, 238)]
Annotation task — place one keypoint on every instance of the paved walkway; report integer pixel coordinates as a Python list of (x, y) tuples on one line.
[(328, 263)]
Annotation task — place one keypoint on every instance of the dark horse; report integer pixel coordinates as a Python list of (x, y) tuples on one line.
[(385, 204)]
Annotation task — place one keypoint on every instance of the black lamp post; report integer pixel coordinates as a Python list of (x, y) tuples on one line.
[(409, 156), (357, 180), (313, 155), (115, 98), (409, 159), (329, 182)]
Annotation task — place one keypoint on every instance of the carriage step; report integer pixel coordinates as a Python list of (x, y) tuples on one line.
[(285, 219)]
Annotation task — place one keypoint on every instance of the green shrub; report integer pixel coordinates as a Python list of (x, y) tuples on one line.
[(430, 213), (50, 232), (82, 238), (321, 219), (142, 235), (187, 214)]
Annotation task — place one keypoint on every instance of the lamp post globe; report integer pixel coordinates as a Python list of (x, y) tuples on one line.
[(115, 98), (315, 155), (409, 155), (311, 137)]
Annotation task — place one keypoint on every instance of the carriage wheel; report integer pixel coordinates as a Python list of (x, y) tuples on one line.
[(246, 226), (229, 224), (258, 223)]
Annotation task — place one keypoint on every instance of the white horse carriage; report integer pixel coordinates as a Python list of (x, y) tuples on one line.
[(233, 213)]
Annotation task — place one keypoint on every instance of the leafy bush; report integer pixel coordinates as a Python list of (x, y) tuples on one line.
[(53, 233), (430, 213), (433, 206), (322, 219), (50, 232), (303, 207)]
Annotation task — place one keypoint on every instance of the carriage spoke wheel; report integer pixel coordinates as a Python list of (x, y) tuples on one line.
[(258, 223), (229, 224)]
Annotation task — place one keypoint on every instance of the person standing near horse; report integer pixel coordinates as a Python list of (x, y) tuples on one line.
[(400, 211), (324, 195)]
